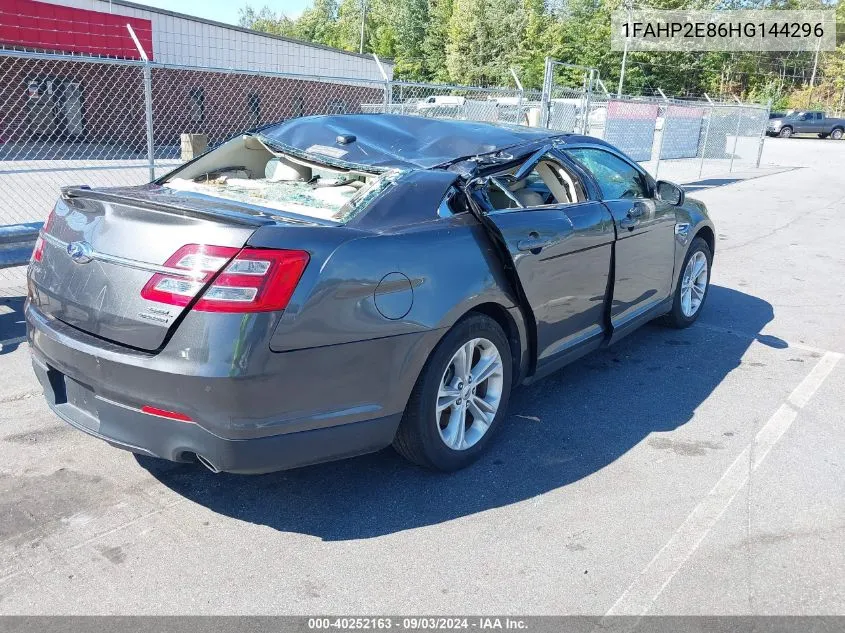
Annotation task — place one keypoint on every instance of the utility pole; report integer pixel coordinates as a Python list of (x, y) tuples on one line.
[(630, 6), (841, 100), (363, 17), (813, 77)]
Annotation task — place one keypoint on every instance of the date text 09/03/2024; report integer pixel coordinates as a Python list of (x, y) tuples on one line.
[(485, 623)]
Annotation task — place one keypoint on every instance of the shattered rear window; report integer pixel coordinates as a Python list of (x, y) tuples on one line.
[(338, 200), (250, 170)]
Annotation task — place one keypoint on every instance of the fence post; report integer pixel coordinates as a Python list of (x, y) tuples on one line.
[(148, 107), (704, 145), (388, 86), (736, 139), (660, 144), (388, 95), (520, 96), (546, 97), (763, 133), (587, 94), (148, 100)]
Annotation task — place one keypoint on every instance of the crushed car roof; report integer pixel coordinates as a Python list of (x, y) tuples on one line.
[(400, 141)]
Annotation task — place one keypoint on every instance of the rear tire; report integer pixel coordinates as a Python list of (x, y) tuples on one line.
[(785, 132), (685, 309), (836, 134), (425, 432)]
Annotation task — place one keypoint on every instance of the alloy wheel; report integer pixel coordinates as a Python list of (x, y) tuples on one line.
[(470, 393), (694, 284)]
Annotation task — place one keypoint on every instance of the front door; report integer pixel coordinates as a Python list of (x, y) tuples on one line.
[(560, 246), (645, 228), (804, 123)]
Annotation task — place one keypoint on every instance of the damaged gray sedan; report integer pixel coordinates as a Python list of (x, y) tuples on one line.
[(332, 285)]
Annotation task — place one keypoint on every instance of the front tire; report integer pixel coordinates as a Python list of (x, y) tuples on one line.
[(460, 397), (693, 285), (785, 132)]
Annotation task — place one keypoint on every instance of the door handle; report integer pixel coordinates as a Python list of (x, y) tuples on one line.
[(632, 219), (534, 243), (629, 223)]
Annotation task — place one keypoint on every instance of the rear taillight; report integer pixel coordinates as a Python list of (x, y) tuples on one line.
[(253, 280), (256, 280), (199, 262), (38, 251)]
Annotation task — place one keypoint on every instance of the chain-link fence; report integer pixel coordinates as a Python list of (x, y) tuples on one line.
[(674, 139), (104, 122), (218, 104), (681, 141), (493, 105), (64, 121), (107, 122)]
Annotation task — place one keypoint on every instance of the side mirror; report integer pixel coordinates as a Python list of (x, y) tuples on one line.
[(669, 192)]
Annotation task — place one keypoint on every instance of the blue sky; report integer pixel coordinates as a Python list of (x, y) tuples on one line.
[(226, 10)]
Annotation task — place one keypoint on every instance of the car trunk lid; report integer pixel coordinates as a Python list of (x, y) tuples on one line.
[(102, 247)]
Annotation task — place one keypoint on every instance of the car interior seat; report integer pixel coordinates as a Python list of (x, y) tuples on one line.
[(526, 197), (560, 184)]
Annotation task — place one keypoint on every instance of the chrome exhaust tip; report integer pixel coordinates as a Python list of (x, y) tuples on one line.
[(205, 462)]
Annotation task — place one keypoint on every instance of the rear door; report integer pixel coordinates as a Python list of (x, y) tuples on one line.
[(560, 245), (645, 228), (100, 251)]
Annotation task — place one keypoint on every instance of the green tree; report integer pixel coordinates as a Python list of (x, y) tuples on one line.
[(533, 43), (266, 20), (348, 25), (436, 38), (411, 25), (381, 34), (484, 39), (478, 41), (318, 23)]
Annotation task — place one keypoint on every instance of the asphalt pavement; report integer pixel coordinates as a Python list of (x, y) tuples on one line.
[(680, 472)]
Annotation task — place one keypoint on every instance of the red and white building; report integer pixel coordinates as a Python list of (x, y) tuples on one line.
[(193, 88), (98, 27)]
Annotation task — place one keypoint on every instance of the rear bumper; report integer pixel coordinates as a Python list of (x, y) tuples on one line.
[(132, 430), (268, 412)]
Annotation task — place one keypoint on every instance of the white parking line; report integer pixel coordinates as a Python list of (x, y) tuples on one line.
[(641, 595)]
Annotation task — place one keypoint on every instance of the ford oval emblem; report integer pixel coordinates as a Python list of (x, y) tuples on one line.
[(80, 252)]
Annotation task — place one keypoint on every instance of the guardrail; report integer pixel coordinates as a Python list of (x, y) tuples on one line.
[(17, 242)]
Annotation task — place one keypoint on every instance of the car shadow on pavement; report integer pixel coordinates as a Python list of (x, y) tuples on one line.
[(12, 323), (558, 431)]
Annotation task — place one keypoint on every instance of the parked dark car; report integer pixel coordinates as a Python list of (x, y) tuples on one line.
[(804, 122), (332, 285)]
